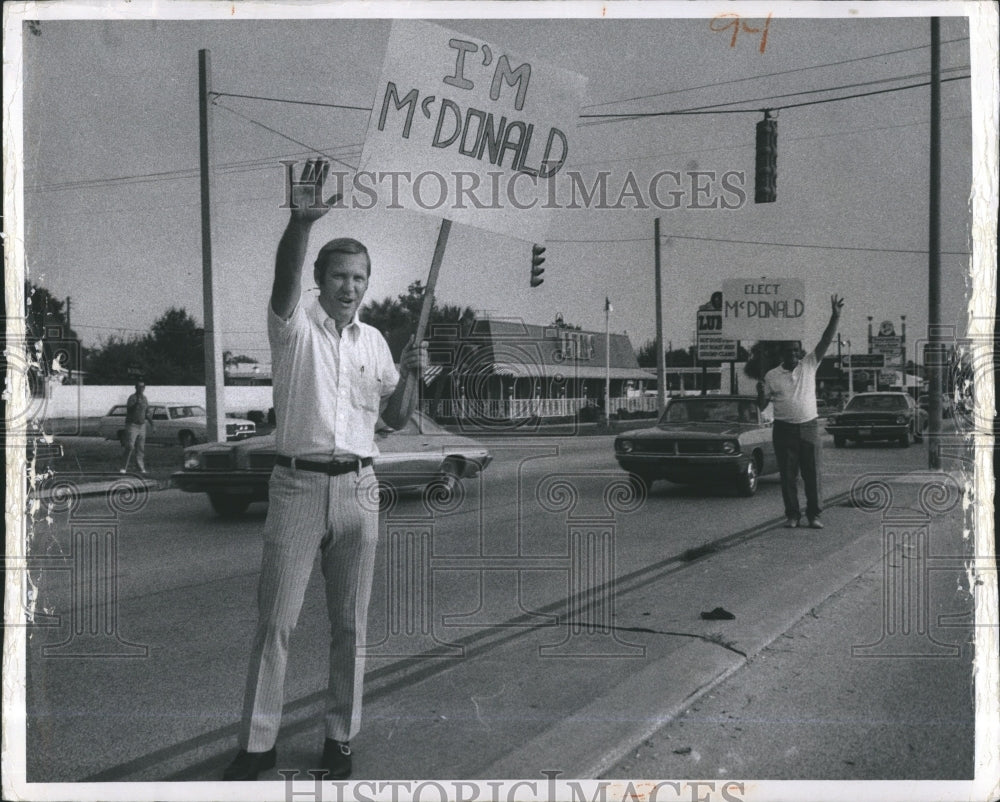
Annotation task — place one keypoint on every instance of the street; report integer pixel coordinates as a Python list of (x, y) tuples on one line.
[(544, 619)]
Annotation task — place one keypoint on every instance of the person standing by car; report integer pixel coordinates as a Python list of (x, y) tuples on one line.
[(791, 387), (333, 376), (137, 413)]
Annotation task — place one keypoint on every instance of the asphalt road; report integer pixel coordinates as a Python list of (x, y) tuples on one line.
[(543, 606)]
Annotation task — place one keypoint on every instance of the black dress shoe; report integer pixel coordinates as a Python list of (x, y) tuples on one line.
[(247, 765), (336, 759)]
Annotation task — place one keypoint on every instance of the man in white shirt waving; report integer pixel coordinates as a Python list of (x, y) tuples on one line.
[(333, 377), (791, 387)]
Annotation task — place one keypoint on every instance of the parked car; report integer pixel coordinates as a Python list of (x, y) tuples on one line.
[(173, 422), (701, 440), (234, 476), (878, 416)]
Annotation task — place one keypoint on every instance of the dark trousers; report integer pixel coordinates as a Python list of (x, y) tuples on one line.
[(797, 448)]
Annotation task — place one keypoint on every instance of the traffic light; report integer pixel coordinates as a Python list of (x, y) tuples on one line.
[(766, 167), (536, 264)]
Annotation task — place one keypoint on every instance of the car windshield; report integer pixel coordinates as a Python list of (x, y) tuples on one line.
[(119, 410), (186, 412), (708, 410), (866, 403)]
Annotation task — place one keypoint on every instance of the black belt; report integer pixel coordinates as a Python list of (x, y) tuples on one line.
[(333, 468)]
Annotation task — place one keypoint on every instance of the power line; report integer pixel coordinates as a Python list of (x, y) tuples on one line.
[(771, 74), (741, 145), (595, 119), (762, 243), (720, 108), (182, 173), (293, 102), (284, 136)]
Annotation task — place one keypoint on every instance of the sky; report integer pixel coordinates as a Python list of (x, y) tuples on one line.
[(111, 200)]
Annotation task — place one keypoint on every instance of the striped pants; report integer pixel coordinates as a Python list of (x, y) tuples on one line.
[(309, 512)]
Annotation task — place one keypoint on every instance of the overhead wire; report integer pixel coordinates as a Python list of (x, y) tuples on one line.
[(914, 251), (592, 119), (771, 74), (720, 108)]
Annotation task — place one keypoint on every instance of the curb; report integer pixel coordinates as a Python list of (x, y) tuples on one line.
[(58, 489)]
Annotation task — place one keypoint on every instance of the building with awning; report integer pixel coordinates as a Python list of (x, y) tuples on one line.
[(504, 368)]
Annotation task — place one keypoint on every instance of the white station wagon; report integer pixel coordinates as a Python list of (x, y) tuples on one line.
[(173, 423)]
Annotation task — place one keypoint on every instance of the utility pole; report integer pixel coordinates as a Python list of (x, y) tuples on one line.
[(935, 352), (607, 362), (661, 373), (69, 327), (214, 376)]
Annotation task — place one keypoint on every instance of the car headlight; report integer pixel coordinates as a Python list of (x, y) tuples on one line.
[(192, 460), (900, 419), (626, 445), (730, 447)]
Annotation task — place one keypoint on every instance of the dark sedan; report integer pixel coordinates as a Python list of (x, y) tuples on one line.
[(700, 440), (234, 475), (878, 416)]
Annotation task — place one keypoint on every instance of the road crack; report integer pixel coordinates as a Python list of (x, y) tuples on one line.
[(715, 638)]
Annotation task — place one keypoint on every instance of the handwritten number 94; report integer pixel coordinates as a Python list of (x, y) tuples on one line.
[(727, 20)]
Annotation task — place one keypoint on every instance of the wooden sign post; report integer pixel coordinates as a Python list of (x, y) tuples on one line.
[(412, 384)]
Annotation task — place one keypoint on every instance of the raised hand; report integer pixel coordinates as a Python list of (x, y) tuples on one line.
[(307, 202), (836, 304)]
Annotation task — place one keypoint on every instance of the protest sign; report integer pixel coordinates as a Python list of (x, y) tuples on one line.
[(465, 130), (763, 308)]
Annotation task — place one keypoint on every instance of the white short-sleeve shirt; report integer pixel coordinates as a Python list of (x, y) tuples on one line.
[(793, 392), (329, 388)]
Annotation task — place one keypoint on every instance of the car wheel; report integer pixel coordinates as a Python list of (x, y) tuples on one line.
[(747, 483), (227, 505), (186, 439), (904, 438), (839, 441)]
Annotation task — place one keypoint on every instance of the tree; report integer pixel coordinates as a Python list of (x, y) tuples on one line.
[(677, 358), (231, 360), (48, 334), (397, 319), (172, 353)]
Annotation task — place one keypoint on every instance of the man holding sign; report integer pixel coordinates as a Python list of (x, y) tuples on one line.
[(333, 377), (792, 388)]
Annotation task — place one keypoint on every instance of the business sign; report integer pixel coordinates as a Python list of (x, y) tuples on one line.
[(712, 345), (890, 378), (891, 347), (468, 131), (862, 361), (763, 308)]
